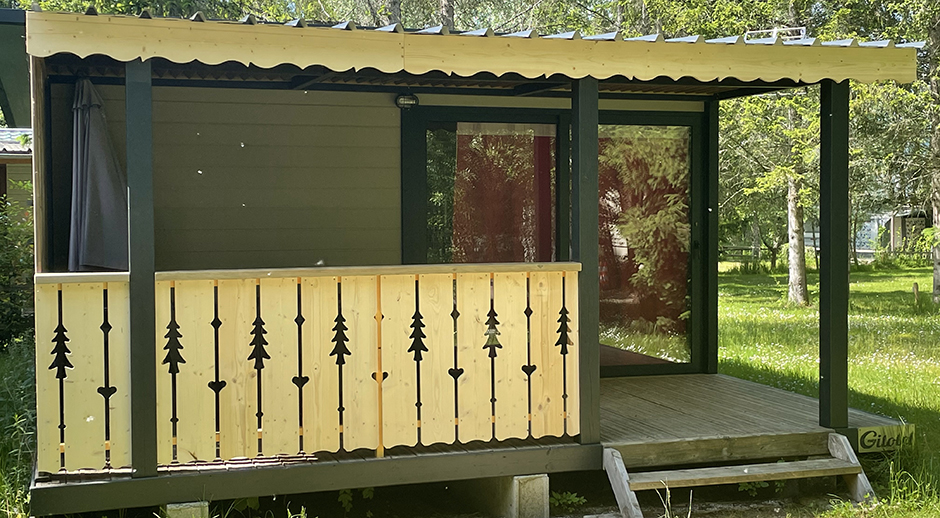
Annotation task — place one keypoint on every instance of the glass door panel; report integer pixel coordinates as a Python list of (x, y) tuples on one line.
[(490, 192), (644, 244)]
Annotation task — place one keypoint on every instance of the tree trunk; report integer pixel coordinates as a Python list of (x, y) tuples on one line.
[(394, 11), (933, 40), (755, 239), (447, 14), (796, 291)]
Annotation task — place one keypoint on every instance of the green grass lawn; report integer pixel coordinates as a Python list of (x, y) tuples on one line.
[(894, 366)]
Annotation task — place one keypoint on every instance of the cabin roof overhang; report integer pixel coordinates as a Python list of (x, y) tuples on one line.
[(391, 56)]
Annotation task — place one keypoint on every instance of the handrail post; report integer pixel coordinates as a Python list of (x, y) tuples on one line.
[(584, 246), (834, 254), (140, 239)]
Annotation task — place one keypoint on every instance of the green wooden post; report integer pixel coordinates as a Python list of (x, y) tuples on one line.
[(834, 254), (414, 188), (711, 241), (139, 124), (584, 246)]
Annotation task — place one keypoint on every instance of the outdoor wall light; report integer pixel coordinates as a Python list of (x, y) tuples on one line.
[(406, 101)]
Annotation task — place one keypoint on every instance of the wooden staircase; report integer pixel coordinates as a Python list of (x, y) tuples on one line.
[(842, 461)]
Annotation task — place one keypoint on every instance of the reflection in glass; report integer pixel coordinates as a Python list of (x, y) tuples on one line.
[(644, 244), (490, 192)]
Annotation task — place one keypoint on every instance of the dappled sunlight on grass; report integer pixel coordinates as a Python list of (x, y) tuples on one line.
[(894, 366)]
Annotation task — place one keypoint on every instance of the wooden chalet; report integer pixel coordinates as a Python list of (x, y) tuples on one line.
[(363, 257)]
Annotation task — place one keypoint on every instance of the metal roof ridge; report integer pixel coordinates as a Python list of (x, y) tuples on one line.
[(651, 38)]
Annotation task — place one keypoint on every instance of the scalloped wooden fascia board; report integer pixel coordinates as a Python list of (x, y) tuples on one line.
[(182, 41)]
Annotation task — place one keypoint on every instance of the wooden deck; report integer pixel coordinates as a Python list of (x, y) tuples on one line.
[(711, 418)]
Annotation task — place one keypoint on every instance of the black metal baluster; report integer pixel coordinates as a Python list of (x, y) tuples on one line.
[(455, 371), (258, 354), (300, 380), (340, 351), (61, 362), (417, 347), (217, 384), (528, 368), (173, 358), (564, 341), (107, 390), (492, 343)]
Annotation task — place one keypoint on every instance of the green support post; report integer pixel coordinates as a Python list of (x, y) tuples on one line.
[(834, 254), (711, 237), (139, 123), (584, 246), (414, 188)]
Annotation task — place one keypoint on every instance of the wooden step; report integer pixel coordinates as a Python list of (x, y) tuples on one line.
[(743, 473)]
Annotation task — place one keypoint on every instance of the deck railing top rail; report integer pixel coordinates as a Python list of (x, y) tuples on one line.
[(320, 271)]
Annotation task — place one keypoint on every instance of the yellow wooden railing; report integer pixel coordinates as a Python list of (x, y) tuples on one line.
[(259, 363)]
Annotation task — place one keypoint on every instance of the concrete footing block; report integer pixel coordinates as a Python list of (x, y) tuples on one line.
[(524, 496), (188, 510)]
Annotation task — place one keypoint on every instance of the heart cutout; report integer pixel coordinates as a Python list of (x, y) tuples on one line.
[(384, 376), (528, 369), (107, 392), (455, 373), (300, 381), (217, 386)]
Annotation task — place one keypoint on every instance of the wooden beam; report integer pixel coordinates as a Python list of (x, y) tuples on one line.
[(859, 487), (834, 254), (584, 246), (620, 483), (139, 126), (324, 475), (38, 86)]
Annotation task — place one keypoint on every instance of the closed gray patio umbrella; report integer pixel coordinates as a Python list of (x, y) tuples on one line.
[(98, 232)]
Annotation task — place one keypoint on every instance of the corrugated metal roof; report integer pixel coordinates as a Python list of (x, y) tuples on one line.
[(391, 49), (12, 141)]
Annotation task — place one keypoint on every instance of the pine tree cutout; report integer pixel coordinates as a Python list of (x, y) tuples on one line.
[(339, 338), (173, 347), (492, 343), (417, 337), (61, 351), (258, 352), (563, 339)]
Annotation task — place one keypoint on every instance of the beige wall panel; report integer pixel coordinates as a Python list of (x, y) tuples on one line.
[(321, 395), (473, 388), (82, 315), (283, 259), (238, 399), (400, 425), (259, 112), (195, 310), (437, 386), (574, 355), (330, 188), (47, 386), (258, 218), (279, 394), (509, 301), (120, 373), (547, 405), (360, 391), (280, 98), (190, 134)]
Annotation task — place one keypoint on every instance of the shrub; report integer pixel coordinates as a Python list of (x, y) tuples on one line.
[(16, 272)]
